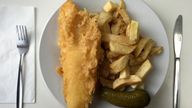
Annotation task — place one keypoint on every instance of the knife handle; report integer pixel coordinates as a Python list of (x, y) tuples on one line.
[(176, 83)]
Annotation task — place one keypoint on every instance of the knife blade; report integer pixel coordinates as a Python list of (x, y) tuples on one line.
[(178, 37), (178, 33)]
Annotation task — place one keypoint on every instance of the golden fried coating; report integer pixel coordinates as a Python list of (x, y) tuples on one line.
[(79, 43)]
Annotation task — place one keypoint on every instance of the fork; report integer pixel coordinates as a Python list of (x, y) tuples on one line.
[(23, 47)]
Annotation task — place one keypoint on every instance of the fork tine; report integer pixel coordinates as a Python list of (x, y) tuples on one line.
[(21, 31), (25, 30), (18, 32)]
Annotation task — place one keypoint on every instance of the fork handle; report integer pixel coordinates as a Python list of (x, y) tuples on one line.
[(19, 98)]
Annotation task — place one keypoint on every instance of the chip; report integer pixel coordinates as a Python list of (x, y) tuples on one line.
[(122, 4), (119, 64), (115, 28), (124, 15), (121, 49), (121, 82), (133, 31), (144, 69), (140, 46), (105, 28), (156, 50), (104, 17), (107, 37), (110, 6), (125, 72)]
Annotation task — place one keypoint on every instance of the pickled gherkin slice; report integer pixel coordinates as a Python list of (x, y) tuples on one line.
[(132, 99)]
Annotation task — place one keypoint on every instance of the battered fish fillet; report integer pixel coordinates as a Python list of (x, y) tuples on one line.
[(79, 42)]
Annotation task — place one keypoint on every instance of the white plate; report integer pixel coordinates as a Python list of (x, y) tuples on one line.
[(150, 25)]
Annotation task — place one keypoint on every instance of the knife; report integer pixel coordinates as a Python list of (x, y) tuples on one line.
[(177, 35)]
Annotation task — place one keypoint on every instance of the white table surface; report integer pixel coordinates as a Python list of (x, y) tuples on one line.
[(167, 10)]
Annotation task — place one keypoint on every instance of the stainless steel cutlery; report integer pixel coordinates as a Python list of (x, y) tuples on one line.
[(23, 47), (178, 35)]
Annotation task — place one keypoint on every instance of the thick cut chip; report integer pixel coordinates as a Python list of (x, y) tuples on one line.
[(104, 17), (144, 54), (133, 31), (144, 69), (122, 4), (124, 15), (121, 82), (142, 72), (111, 55), (125, 72), (119, 64), (116, 14), (105, 28), (133, 69), (141, 45), (123, 28), (115, 28), (121, 49), (156, 50), (136, 61), (116, 38), (147, 49), (110, 6)]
